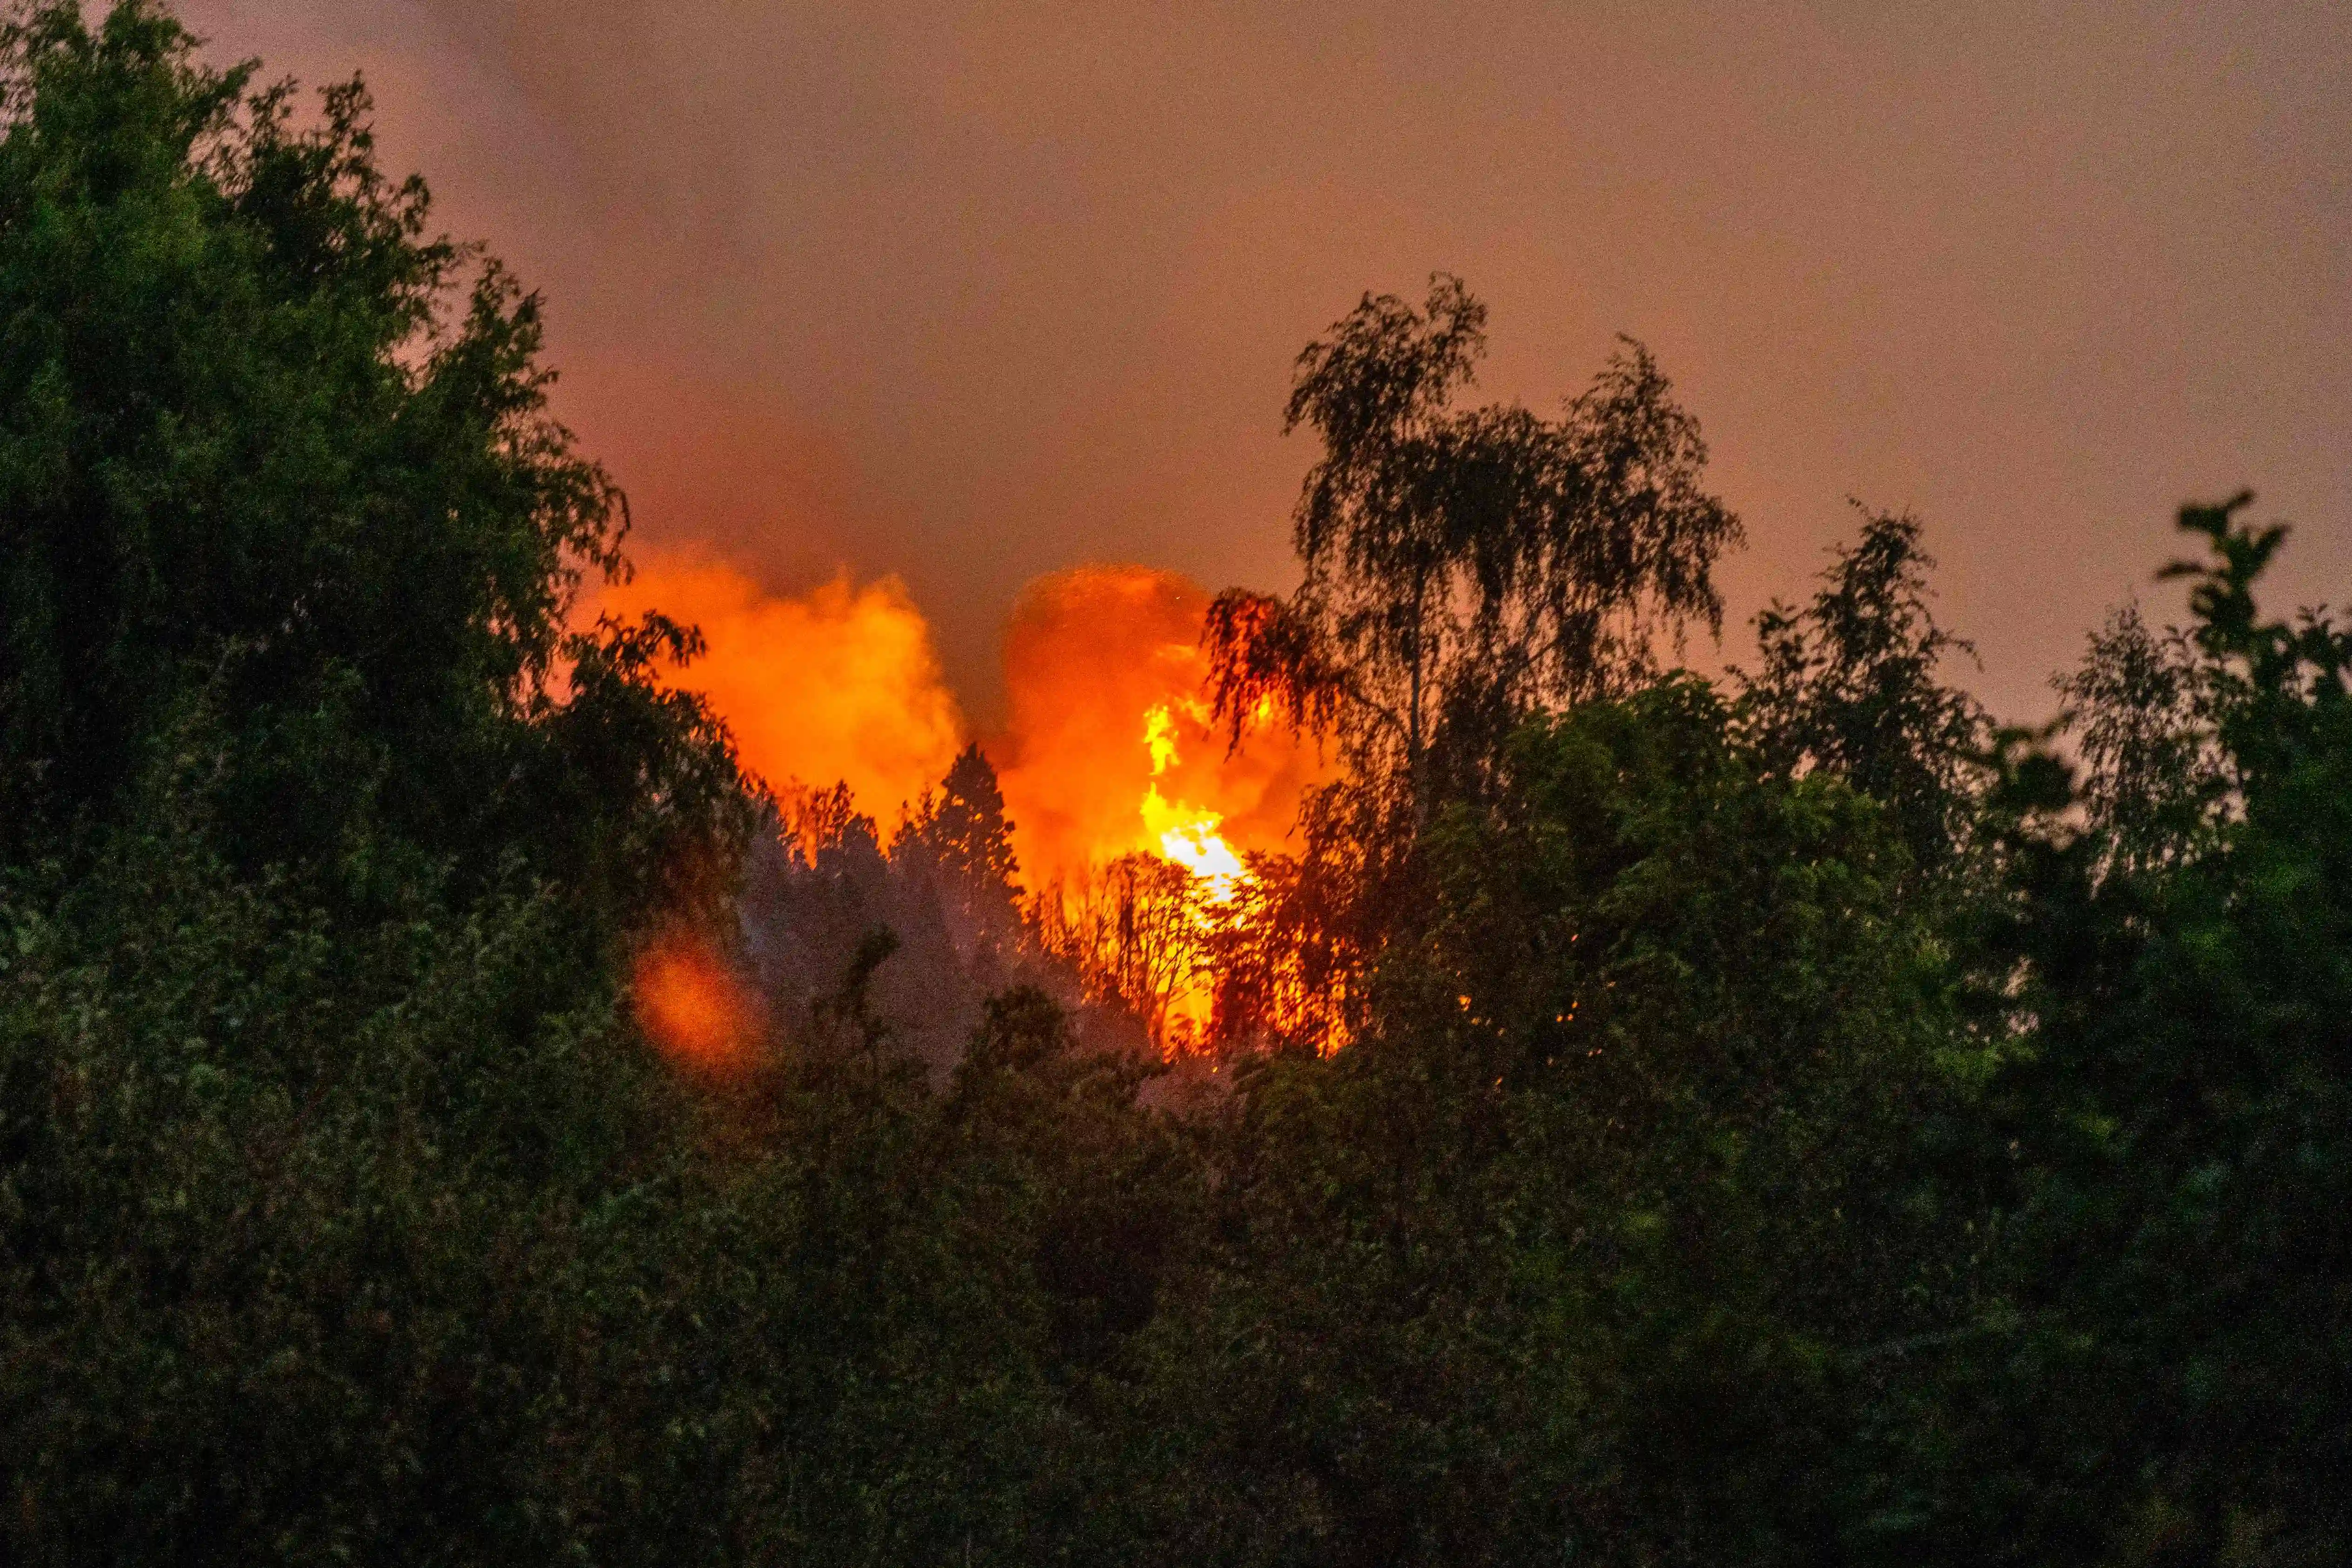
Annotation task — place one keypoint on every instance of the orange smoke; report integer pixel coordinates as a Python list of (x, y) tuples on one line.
[(841, 685), (693, 1009), (1112, 749)]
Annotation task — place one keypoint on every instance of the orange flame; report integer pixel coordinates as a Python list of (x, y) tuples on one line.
[(1112, 747), (693, 1009), (840, 685), (1113, 750), (1190, 835)]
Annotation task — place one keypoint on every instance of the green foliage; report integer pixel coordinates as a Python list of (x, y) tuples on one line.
[(1463, 570), (260, 438), (314, 877), (1564, 1254), (2181, 1387), (2145, 709), (962, 829), (289, 1210)]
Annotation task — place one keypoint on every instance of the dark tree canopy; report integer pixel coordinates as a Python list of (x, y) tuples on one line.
[(960, 832), (1696, 1180), (2142, 706), (2175, 1383)]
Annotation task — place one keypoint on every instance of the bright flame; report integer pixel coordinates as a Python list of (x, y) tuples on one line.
[(693, 1009), (1160, 738), (840, 685), (1185, 833), (1113, 750), (1190, 837), (1112, 747)]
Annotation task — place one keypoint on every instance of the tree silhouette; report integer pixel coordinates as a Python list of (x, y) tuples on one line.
[(1466, 566), (1851, 684)]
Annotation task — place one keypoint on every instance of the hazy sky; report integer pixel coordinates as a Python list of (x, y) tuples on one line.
[(970, 292)]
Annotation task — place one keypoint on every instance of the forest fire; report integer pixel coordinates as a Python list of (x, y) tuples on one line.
[(1188, 835), (1109, 749), (1131, 815), (1643, 1101)]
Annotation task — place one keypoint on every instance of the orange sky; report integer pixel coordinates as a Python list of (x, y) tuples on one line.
[(972, 293)]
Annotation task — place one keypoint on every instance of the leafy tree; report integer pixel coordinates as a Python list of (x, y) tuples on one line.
[(2179, 1387), (1285, 958), (2144, 707), (260, 437), (1134, 934), (1466, 566), (960, 835), (315, 1231), (1579, 1249), (1852, 684), (1698, 1182), (314, 874), (1111, 1185)]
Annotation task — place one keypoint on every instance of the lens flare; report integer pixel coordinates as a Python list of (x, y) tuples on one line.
[(693, 1009)]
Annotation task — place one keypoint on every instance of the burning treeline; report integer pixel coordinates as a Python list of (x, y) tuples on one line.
[(1134, 822), (1467, 571)]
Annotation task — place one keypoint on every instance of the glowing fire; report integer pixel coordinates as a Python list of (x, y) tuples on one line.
[(1110, 749), (1185, 833)]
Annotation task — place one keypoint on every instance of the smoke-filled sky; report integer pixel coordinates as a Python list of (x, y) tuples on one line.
[(972, 293)]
